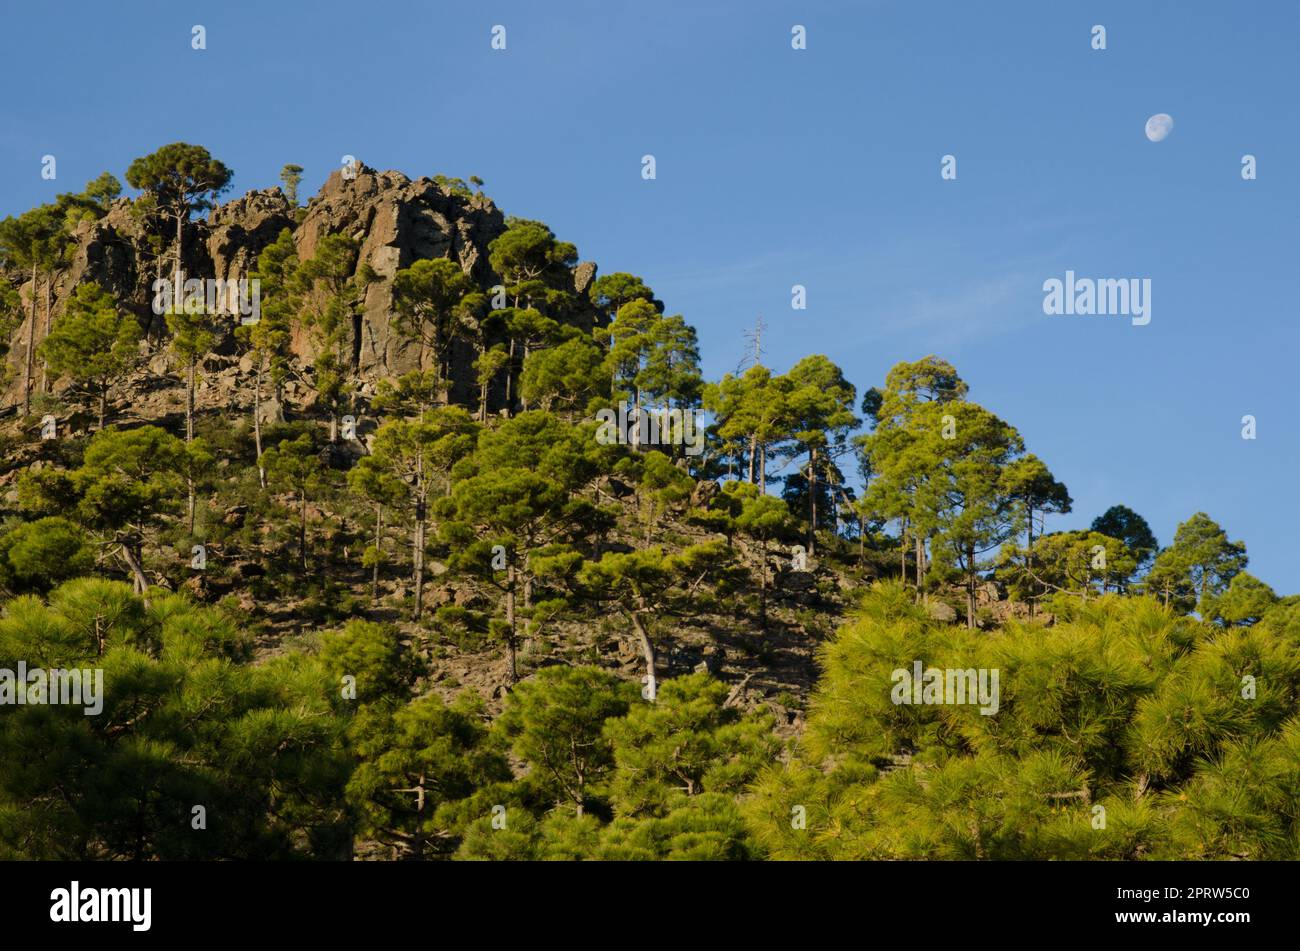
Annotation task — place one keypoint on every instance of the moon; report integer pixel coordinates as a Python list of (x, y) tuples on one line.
[(1159, 126)]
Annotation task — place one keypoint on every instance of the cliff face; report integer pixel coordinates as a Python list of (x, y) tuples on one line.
[(396, 220)]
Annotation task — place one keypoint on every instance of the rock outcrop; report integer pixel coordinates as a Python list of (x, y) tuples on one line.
[(395, 219)]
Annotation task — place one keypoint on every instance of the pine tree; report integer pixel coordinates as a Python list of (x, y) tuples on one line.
[(268, 338), (327, 289), (36, 556), (193, 754), (295, 464), (1120, 521), (23, 242), (762, 518), (1199, 565), (419, 764), (638, 585), (513, 497), (555, 722), (565, 378), (418, 456), (93, 343), (426, 296), (178, 180), (534, 268), (291, 176), (125, 487)]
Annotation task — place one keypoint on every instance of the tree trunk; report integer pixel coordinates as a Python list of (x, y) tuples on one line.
[(421, 515), (523, 400), (189, 435), (483, 385), (636, 417), (510, 619), (257, 421), (189, 401), (132, 559), (45, 333), (180, 277), (762, 586), (302, 530), (902, 550), (647, 651), (417, 843), (103, 405), (970, 587), (31, 344), (510, 380), (812, 500), (1029, 563), (379, 540), (417, 557)]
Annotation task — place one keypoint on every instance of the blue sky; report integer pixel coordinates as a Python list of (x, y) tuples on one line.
[(818, 167)]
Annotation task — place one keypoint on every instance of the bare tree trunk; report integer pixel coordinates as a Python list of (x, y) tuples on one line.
[(379, 541), (970, 587), (417, 558), (812, 500), (31, 344), (902, 550), (510, 620), (180, 277), (421, 515), (647, 651), (189, 433), (257, 421), (302, 530), (510, 380), (1029, 563), (636, 416), (417, 844), (132, 560), (45, 333), (483, 385)]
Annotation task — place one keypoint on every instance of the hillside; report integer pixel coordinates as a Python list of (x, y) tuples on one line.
[(401, 531)]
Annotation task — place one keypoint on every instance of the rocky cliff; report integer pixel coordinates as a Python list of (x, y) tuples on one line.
[(396, 220)]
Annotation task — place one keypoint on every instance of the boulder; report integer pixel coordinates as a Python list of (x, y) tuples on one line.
[(941, 611), (704, 493)]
